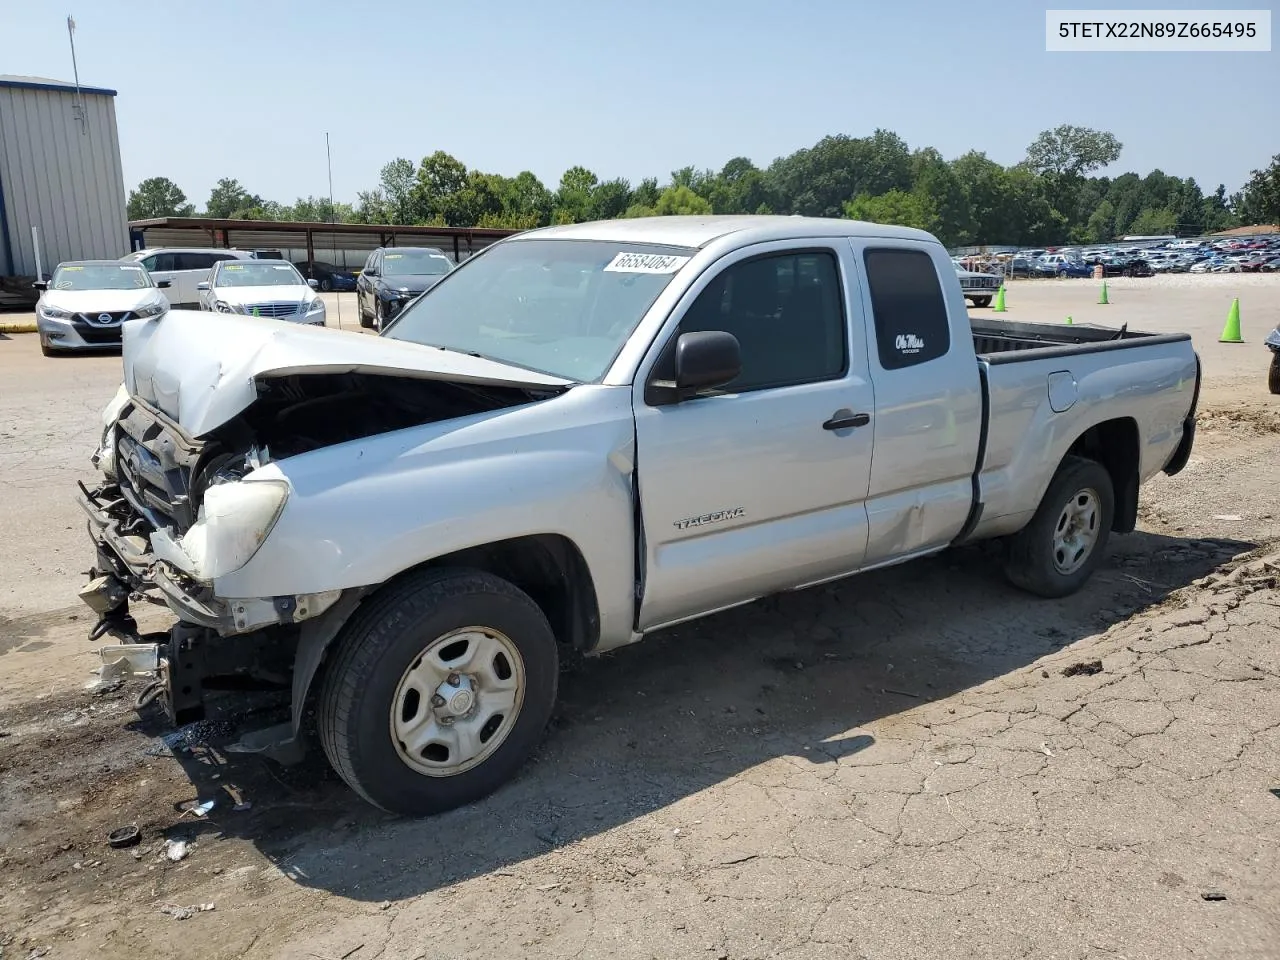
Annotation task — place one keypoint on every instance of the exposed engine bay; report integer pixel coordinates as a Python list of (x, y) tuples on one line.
[(157, 482)]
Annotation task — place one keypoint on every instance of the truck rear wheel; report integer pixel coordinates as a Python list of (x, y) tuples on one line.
[(1059, 549), (1273, 375), (982, 301), (438, 691)]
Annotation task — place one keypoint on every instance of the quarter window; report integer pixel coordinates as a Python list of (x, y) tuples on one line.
[(786, 311), (909, 307)]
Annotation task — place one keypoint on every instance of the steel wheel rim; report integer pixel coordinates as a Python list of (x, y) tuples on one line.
[(457, 702), (1076, 532)]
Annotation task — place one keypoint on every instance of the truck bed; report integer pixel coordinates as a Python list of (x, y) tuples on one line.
[(1005, 341)]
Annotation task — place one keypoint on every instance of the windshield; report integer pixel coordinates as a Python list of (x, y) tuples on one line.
[(248, 274), (403, 263), (100, 276), (563, 307)]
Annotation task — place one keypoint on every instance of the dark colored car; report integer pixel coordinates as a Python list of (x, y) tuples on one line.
[(1022, 267), (327, 275), (1126, 267), (392, 277)]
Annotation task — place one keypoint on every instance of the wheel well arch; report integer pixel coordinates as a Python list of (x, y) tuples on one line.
[(1115, 444), (551, 569)]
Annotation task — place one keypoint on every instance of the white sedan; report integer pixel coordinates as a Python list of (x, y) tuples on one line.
[(262, 288), (86, 302)]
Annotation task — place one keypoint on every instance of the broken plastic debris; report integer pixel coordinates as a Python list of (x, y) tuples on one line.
[(185, 913), (1044, 748), (200, 809), (176, 850), (1227, 516)]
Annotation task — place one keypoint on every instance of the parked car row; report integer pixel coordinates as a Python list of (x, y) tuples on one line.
[(1187, 255)]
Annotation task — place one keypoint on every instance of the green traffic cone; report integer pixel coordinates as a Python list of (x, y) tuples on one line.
[(1231, 332), (1102, 298), (999, 307)]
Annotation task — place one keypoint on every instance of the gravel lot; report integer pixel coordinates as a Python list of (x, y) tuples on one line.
[(892, 766)]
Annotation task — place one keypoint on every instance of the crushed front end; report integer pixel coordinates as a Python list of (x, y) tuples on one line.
[(170, 515)]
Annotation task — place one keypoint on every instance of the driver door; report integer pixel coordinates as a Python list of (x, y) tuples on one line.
[(758, 486)]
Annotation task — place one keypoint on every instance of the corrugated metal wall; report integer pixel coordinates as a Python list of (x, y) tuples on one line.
[(64, 179)]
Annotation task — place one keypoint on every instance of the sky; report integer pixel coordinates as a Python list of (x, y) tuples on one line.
[(249, 89)]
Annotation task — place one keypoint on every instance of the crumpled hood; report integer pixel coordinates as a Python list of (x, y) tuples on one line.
[(201, 368), (101, 301)]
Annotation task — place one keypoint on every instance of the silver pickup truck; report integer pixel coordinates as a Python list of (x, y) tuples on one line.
[(583, 435)]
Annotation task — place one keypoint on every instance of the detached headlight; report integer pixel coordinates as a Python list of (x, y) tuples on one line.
[(152, 309), (234, 520), (53, 313)]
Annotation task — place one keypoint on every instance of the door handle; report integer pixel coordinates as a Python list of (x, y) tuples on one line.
[(840, 422)]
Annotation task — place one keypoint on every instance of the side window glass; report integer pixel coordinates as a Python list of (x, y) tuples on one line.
[(909, 307), (786, 311)]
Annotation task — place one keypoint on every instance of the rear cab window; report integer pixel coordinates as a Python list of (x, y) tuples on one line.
[(908, 306)]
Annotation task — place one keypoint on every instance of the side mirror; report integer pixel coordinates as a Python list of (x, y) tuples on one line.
[(163, 284), (40, 284), (313, 284), (202, 285), (707, 358)]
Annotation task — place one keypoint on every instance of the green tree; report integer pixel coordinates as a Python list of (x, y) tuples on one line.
[(818, 180), (372, 207), (1101, 225), (1072, 151), (936, 184), (646, 193), (441, 177), (229, 200), (610, 199), (396, 181), (527, 201), (681, 201), (899, 207), (1260, 198), (1217, 212), (158, 197), (1154, 222), (739, 187), (575, 201)]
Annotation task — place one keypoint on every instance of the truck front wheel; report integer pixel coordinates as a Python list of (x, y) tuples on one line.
[(1059, 549), (982, 301), (1273, 375), (438, 691)]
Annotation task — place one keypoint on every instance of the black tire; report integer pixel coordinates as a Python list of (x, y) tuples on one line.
[(1273, 374), (377, 314), (385, 637), (1031, 563), (326, 284), (982, 301), (366, 321)]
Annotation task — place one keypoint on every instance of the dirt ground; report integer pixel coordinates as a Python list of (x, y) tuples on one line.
[(917, 762)]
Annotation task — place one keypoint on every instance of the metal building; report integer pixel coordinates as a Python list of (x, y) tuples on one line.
[(59, 173)]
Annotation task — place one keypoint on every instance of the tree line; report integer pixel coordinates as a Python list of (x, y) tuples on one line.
[(1050, 197)]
